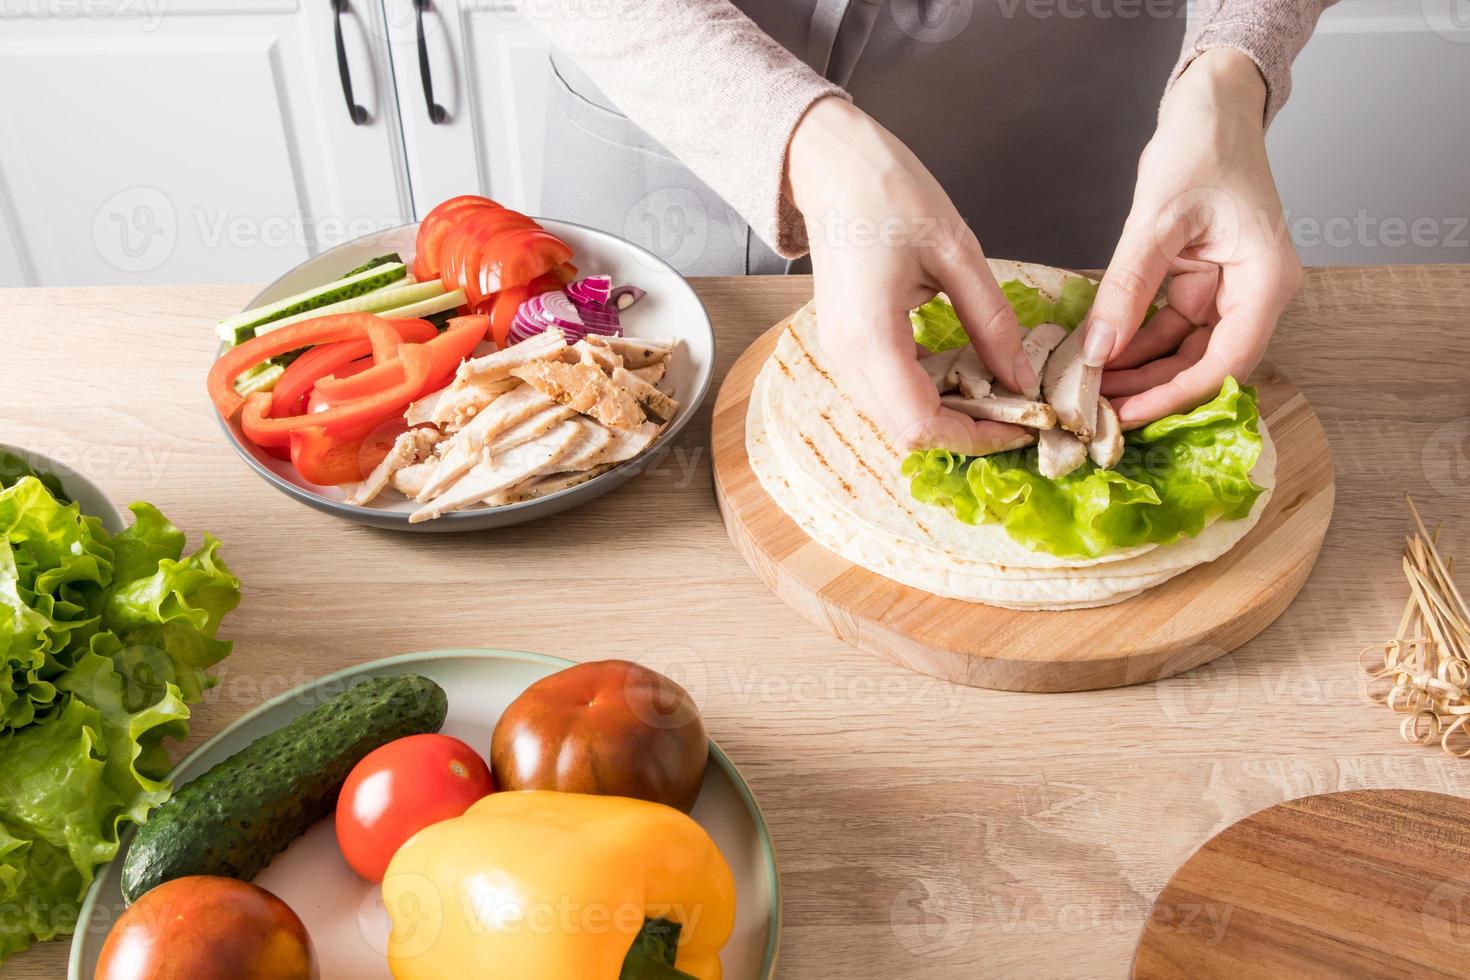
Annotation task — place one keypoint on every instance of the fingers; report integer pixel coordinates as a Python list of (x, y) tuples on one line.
[(962, 434), (1119, 384), (1192, 293), (988, 320), (1160, 336), (1131, 282)]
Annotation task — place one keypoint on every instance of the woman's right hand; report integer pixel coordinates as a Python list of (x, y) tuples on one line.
[(884, 239)]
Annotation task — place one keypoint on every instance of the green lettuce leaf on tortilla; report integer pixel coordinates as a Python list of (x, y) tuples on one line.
[(937, 327), (1176, 476), (104, 641)]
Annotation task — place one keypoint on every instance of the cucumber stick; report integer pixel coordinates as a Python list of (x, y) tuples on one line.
[(262, 377), (237, 816), (243, 326), (426, 308), (374, 302)]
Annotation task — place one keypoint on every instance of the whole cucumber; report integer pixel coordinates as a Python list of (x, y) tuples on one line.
[(235, 818)]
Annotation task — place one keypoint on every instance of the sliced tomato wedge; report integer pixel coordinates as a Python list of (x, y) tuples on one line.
[(515, 259), (436, 225), (290, 391), (329, 461), (460, 259), (343, 418), (321, 330), (446, 351)]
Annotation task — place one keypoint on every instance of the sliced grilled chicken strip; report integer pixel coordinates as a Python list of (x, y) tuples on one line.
[(628, 443), (1003, 405), (540, 423), (548, 345), (407, 449), (551, 483), (1039, 342), (1106, 446), (636, 352), (937, 367), (1071, 387), (489, 477), (462, 401), (1059, 453), (657, 404), (969, 374), (586, 389), (422, 411), (410, 480), (583, 455), (652, 373), (599, 357), (462, 450)]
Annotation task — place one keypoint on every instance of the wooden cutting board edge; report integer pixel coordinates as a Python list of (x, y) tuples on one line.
[(1246, 589)]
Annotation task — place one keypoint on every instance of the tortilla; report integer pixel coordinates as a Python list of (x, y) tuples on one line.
[(834, 471)]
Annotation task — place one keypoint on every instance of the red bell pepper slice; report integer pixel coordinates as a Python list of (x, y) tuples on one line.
[(328, 461), (320, 330), (290, 391), (456, 343), (345, 417)]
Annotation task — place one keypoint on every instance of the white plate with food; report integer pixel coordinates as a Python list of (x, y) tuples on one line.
[(246, 862), (597, 363)]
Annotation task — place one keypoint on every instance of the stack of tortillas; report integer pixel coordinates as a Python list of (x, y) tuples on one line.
[(837, 474)]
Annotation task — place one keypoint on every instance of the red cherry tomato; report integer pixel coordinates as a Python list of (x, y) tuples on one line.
[(399, 789)]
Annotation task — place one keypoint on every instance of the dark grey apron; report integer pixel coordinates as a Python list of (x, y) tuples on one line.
[(1031, 113)]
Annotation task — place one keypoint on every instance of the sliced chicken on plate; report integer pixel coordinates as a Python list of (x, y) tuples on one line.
[(549, 345), (462, 450), (628, 443), (489, 477), (410, 447), (652, 373), (599, 357), (585, 389), (636, 352), (654, 401), (523, 432), (410, 480), (421, 412)]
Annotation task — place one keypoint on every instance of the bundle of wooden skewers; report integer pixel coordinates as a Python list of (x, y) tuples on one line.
[(1424, 671)]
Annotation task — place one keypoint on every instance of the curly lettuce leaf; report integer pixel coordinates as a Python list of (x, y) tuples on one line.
[(104, 641), (937, 327), (1177, 475)]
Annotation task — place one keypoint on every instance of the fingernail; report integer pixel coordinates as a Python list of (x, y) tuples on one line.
[(1098, 346), (1021, 367)]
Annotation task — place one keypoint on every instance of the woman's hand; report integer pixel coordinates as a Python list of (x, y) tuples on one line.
[(884, 239), (1206, 210)]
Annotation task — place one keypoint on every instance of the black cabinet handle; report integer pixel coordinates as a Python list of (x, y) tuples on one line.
[(358, 113), (436, 111)]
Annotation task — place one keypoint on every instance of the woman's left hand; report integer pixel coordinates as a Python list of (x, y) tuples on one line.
[(1206, 211)]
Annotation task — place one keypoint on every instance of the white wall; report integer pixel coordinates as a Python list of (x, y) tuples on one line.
[(1372, 153)]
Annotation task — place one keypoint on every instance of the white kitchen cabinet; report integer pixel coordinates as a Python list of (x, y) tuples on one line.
[(191, 140), (489, 72)]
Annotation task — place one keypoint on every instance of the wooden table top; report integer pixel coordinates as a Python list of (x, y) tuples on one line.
[(923, 829)]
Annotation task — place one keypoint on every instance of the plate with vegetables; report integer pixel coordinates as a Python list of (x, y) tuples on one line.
[(478, 369), (421, 816)]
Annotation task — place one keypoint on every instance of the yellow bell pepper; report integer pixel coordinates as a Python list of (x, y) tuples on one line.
[(554, 886)]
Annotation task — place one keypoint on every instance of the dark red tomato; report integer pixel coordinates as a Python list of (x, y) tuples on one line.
[(207, 928), (399, 789)]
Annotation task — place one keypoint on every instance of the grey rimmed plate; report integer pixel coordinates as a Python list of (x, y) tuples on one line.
[(670, 309), (345, 915)]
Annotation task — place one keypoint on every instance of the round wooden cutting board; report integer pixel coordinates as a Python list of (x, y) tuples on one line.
[(1372, 883), (1189, 620)]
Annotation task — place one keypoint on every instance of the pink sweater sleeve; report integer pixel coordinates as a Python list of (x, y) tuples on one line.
[(1270, 32), (701, 78)]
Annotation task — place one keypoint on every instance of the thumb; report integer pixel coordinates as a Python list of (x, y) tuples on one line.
[(1130, 284)]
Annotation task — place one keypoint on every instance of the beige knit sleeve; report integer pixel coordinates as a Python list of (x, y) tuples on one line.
[(1270, 32), (701, 78)]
